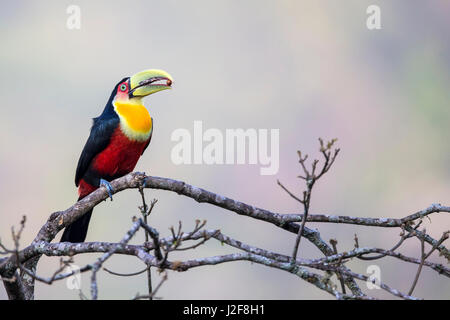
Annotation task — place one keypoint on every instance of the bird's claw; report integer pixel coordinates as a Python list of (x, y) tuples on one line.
[(108, 187)]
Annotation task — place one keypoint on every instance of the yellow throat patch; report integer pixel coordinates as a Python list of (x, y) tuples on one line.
[(135, 121)]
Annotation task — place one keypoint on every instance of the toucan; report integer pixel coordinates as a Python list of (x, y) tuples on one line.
[(118, 138)]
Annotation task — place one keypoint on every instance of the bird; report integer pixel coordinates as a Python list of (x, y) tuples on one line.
[(118, 138)]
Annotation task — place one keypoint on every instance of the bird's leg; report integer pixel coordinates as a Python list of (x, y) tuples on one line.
[(108, 187)]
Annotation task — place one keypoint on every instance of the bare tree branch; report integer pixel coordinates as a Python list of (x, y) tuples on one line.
[(156, 250)]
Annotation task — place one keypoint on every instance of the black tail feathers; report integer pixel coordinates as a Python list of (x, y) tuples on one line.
[(77, 231)]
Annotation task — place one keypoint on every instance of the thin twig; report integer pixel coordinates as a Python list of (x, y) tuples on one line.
[(419, 269)]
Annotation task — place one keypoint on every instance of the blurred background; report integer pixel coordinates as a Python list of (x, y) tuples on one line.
[(309, 68)]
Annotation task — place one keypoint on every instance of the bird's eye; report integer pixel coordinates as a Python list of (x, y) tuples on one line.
[(123, 87)]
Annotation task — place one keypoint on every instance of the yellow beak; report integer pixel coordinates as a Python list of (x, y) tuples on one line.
[(150, 81)]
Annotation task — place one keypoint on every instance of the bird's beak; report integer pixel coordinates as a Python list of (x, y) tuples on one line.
[(147, 82)]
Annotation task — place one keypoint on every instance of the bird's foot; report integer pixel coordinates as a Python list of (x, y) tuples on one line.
[(108, 187)]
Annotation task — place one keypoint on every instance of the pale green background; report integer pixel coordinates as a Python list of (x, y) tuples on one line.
[(310, 68)]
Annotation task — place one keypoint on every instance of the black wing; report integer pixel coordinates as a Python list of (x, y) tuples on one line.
[(149, 139), (98, 140)]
